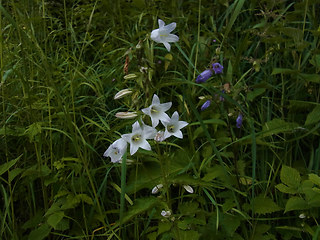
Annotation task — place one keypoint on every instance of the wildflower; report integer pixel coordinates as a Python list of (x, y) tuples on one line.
[(302, 215), (204, 76), (126, 115), (166, 214), (162, 34), (156, 189), (221, 98), (217, 68), (116, 150), (205, 105), (159, 136), (188, 188), (137, 138), (173, 126), (122, 93), (239, 120), (157, 110)]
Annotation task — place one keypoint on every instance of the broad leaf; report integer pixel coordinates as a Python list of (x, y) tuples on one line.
[(314, 116), (296, 203), (264, 205), (290, 177)]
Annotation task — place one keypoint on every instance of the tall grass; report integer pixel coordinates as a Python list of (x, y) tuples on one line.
[(61, 62)]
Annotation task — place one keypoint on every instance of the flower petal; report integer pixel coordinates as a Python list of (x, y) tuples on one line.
[(165, 106), (169, 28), (177, 134), (133, 148), (155, 36), (172, 38), (182, 124), (161, 23), (155, 99), (167, 45), (145, 145)]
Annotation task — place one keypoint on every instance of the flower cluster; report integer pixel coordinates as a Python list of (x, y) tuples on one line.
[(142, 132)]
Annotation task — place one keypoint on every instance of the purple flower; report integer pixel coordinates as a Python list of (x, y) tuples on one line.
[(221, 98), (205, 105), (204, 76), (239, 120), (217, 68)]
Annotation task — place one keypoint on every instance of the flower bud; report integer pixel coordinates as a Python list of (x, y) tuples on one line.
[(205, 105), (166, 214), (156, 189), (126, 115), (159, 136), (122, 93), (204, 76), (239, 120), (188, 188)]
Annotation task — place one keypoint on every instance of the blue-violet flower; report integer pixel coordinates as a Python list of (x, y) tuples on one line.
[(204, 76), (239, 120), (205, 105), (217, 68)]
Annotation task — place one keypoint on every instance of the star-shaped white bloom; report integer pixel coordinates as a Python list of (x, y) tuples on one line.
[(157, 111), (116, 150), (173, 126), (138, 137), (162, 34)]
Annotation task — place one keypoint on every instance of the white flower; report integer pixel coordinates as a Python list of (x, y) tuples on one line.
[(162, 34), (116, 150), (157, 110), (188, 188), (173, 126), (166, 213), (156, 189), (137, 138), (126, 115)]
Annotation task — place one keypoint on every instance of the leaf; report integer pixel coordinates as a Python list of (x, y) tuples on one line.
[(13, 173), (276, 126), (40, 233), (296, 203), (140, 206), (314, 178), (263, 205), (290, 177), (283, 71), (255, 93), (5, 167), (55, 218), (314, 116), (310, 77), (285, 189)]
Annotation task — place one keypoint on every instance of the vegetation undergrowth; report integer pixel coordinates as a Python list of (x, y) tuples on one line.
[(117, 123)]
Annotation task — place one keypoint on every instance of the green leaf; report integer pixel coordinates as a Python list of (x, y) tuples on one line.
[(5, 167), (55, 218), (263, 205), (314, 178), (290, 177), (314, 116), (13, 173), (285, 189), (40, 233), (296, 203), (310, 77), (276, 126), (283, 71), (255, 93), (164, 227)]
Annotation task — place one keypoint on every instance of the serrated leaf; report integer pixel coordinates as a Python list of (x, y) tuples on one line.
[(285, 189), (55, 218), (6, 166), (314, 116), (40, 233), (290, 177), (276, 126), (314, 178), (296, 203), (264, 205)]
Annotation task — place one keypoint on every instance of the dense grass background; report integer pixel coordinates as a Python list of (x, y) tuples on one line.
[(63, 61)]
